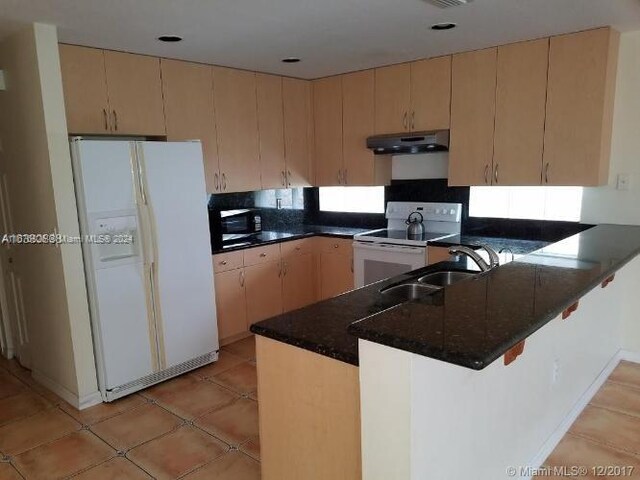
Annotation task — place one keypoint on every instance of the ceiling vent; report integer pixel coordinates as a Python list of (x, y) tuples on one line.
[(448, 3)]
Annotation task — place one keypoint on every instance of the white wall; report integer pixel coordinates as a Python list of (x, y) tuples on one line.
[(419, 166), (38, 165), (606, 204), (467, 424)]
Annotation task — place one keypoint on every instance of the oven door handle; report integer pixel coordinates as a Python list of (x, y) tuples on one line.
[(389, 248)]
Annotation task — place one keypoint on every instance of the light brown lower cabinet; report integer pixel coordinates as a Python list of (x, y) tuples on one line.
[(231, 305), (262, 282), (310, 405), (336, 274), (264, 291), (437, 254), (298, 281)]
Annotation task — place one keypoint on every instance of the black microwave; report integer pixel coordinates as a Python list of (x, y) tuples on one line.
[(229, 227)]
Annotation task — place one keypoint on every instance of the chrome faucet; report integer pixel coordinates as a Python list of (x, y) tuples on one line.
[(507, 249), (494, 260)]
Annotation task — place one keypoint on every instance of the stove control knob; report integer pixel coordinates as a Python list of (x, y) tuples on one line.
[(452, 211)]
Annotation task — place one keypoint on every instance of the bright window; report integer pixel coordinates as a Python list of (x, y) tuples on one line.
[(352, 199), (534, 203)]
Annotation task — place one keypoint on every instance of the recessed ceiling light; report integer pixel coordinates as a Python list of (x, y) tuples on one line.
[(443, 26), (170, 38), (290, 60)]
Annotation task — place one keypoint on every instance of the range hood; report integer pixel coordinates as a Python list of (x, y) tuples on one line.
[(404, 143)]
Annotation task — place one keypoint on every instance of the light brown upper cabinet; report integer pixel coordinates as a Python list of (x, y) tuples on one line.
[(271, 131), (360, 166), (392, 98), (298, 131), (430, 94), (237, 119), (413, 96), (135, 93), (85, 89), (189, 110), (327, 110), (473, 105), (112, 92), (520, 113), (577, 139)]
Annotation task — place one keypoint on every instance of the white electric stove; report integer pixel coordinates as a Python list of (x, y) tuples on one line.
[(384, 253)]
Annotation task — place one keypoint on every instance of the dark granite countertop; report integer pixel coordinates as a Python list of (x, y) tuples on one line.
[(471, 323), (267, 237), (322, 327), (474, 322), (516, 246)]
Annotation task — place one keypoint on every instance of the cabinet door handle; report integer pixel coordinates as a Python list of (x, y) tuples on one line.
[(280, 270), (105, 115), (344, 176), (351, 264), (404, 121), (224, 181), (284, 269), (546, 173), (284, 181), (263, 255), (216, 182), (115, 120), (223, 262), (335, 245), (242, 278), (288, 178), (340, 177), (413, 120), (486, 173), (495, 173)]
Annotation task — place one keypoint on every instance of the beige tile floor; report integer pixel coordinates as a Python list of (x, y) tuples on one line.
[(607, 432), (204, 425), (201, 425)]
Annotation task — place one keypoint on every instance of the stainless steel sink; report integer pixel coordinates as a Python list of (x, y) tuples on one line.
[(444, 278), (410, 291)]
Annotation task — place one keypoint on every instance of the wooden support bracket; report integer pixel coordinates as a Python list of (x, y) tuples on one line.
[(569, 311), (607, 281), (514, 352)]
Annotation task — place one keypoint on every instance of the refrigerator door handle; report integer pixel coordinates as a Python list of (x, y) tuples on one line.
[(145, 228), (156, 334), (143, 193)]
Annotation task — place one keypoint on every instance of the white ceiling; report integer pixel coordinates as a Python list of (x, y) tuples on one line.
[(331, 36)]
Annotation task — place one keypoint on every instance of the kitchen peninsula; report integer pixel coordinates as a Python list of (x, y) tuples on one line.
[(434, 370)]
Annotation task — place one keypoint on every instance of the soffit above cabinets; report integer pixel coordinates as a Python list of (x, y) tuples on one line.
[(330, 36)]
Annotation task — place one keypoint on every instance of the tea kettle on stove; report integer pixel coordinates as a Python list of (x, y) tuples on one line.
[(415, 227)]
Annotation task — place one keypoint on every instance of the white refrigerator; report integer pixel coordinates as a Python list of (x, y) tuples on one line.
[(147, 256)]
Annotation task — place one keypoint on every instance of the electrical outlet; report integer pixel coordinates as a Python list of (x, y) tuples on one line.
[(623, 181)]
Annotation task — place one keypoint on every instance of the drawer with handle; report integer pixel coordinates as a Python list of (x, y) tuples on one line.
[(297, 247), (223, 262), (338, 245), (258, 255)]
